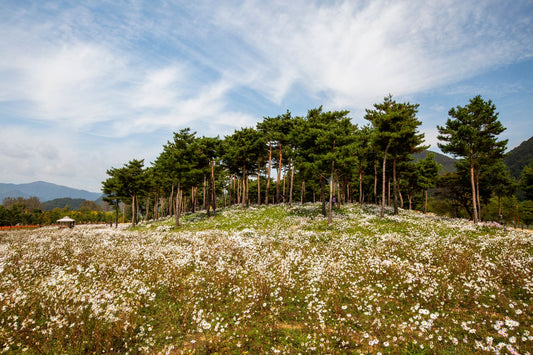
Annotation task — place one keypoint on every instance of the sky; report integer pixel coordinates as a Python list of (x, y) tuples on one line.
[(90, 85)]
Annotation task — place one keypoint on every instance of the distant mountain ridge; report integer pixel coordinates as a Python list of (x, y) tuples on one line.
[(448, 164), (45, 191), (520, 157)]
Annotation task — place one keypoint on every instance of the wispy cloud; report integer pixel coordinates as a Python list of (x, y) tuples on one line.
[(114, 69), (86, 66)]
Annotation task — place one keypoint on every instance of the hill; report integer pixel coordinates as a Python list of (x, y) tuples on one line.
[(275, 279), (73, 203), (519, 157), (448, 164), (45, 191)]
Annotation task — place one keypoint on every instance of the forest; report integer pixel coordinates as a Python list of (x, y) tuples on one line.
[(324, 157), (321, 157)]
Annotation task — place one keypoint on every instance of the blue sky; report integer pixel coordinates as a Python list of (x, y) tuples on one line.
[(87, 85)]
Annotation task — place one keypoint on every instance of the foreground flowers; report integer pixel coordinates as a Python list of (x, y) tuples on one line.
[(269, 280)]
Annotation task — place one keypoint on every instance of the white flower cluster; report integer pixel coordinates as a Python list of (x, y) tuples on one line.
[(277, 278)]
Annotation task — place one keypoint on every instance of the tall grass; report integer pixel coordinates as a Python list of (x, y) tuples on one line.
[(269, 280)]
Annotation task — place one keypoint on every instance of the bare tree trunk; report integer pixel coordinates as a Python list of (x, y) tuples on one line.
[(147, 208), (267, 193), (477, 196), (213, 189), (331, 182), (133, 210), (292, 183), (243, 187), (203, 193), (239, 193), (376, 182), (171, 201), (156, 206), (322, 197), (116, 214), (178, 205), (279, 175), (473, 183), (232, 190), (383, 183), (247, 190), (394, 186), (302, 192), (258, 187), (401, 198), (426, 201), (360, 183), (388, 191), (284, 183)]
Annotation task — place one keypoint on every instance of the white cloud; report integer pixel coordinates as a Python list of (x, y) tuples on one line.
[(110, 74), (353, 53)]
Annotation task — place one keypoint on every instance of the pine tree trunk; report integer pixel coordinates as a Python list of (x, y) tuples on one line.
[(243, 187), (331, 191), (388, 192), (267, 193), (360, 183), (171, 201), (116, 214), (208, 202), (322, 197), (302, 192), (376, 182), (258, 187), (133, 210), (401, 198), (383, 183), (394, 185), (473, 183), (477, 196), (147, 208), (203, 193), (292, 184), (156, 207), (178, 206), (279, 175), (213, 189), (284, 183)]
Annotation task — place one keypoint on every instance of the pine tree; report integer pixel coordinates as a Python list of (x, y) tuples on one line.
[(396, 134), (471, 132)]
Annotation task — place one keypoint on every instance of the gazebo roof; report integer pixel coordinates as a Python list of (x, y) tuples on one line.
[(66, 219)]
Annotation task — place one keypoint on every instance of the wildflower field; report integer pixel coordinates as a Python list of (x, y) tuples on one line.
[(272, 279)]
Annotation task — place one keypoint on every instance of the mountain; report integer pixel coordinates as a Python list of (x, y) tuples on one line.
[(45, 191), (448, 164), (519, 157), (73, 203)]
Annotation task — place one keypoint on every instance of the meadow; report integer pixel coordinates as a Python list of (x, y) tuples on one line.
[(274, 279)]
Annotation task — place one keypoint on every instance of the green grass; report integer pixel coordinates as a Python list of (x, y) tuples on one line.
[(267, 280)]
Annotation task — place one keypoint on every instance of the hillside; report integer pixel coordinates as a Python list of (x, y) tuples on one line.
[(274, 279), (73, 203), (448, 164), (45, 191), (519, 157)]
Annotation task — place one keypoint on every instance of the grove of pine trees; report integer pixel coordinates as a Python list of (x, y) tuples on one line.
[(324, 157)]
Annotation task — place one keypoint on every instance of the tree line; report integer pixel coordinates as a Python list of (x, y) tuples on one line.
[(320, 157), (31, 211)]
